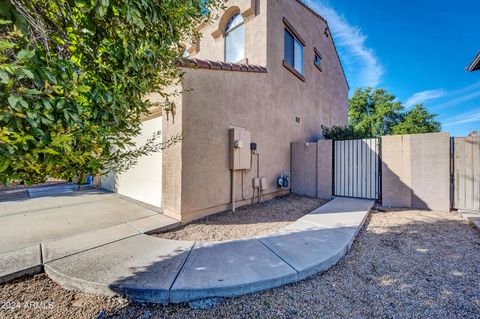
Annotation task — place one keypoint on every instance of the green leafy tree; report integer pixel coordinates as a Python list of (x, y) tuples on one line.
[(73, 79), (373, 113), (340, 133), (417, 120)]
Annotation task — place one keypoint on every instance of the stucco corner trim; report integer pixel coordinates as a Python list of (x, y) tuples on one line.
[(295, 72)]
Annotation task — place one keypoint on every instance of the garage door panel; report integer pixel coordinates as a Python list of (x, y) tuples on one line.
[(142, 181)]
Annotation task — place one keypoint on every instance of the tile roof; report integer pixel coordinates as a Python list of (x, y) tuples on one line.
[(207, 64), (222, 66)]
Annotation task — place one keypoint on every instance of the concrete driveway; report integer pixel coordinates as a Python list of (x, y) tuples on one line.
[(53, 216)]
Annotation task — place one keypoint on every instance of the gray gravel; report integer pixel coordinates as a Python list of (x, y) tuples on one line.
[(405, 264), (247, 221)]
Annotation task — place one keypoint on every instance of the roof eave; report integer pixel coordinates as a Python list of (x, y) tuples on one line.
[(309, 9), (475, 64)]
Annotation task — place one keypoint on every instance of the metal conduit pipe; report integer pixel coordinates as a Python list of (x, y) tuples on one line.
[(243, 182), (258, 176), (233, 190)]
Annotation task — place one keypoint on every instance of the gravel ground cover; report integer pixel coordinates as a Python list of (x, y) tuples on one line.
[(247, 221), (404, 264)]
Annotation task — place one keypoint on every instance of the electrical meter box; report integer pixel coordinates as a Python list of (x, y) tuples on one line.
[(240, 153), (263, 184)]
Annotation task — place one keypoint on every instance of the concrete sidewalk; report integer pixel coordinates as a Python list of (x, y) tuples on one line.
[(146, 268), (53, 225)]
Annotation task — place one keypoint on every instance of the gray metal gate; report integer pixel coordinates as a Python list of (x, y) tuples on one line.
[(357, 168), (466, 173)]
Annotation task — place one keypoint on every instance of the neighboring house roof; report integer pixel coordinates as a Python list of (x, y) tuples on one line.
[(475, 65), (222, 66)]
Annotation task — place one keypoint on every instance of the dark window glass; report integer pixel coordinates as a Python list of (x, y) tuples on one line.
[(288, 48), (293, 52)]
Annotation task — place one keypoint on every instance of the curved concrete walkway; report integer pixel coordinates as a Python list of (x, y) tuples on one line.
[(146, 268)]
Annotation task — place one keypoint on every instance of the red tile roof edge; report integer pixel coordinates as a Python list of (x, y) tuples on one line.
[(222, 66)]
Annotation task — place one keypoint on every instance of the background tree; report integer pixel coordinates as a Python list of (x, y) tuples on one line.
[(73, 80), (341, 133), (373, 113), (417, 120)]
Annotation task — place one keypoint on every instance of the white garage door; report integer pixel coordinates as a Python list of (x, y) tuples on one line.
[(143, 181)]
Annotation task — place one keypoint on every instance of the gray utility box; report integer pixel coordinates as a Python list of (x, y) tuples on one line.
[(240, 154)]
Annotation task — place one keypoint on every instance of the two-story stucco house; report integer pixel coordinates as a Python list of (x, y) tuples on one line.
[(267, 69)]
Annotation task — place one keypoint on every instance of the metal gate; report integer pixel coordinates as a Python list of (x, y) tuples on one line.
[(466, 173), (357, 168)]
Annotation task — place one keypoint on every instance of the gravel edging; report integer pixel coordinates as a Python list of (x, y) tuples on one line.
[(247, 221)]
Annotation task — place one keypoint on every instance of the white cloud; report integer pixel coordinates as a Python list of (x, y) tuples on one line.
[(467, 117), (360, 59), (424, 96), (458, 99), (450, 98)]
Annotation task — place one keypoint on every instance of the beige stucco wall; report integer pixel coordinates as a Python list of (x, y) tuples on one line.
[(324, 169), (172, 159), (416, 171), (211, 45), (322, 98), (304, 168), (396, 171), (196, 173), (312, 169)]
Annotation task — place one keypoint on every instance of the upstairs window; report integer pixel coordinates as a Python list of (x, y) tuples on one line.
[(235, 39), (293, 52)]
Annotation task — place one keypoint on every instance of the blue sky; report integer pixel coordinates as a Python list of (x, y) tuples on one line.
[(416, 49)]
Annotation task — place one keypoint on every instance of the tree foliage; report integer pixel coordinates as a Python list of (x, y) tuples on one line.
[(417, 121), (373, 113), (340, 133), (73, 79)]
